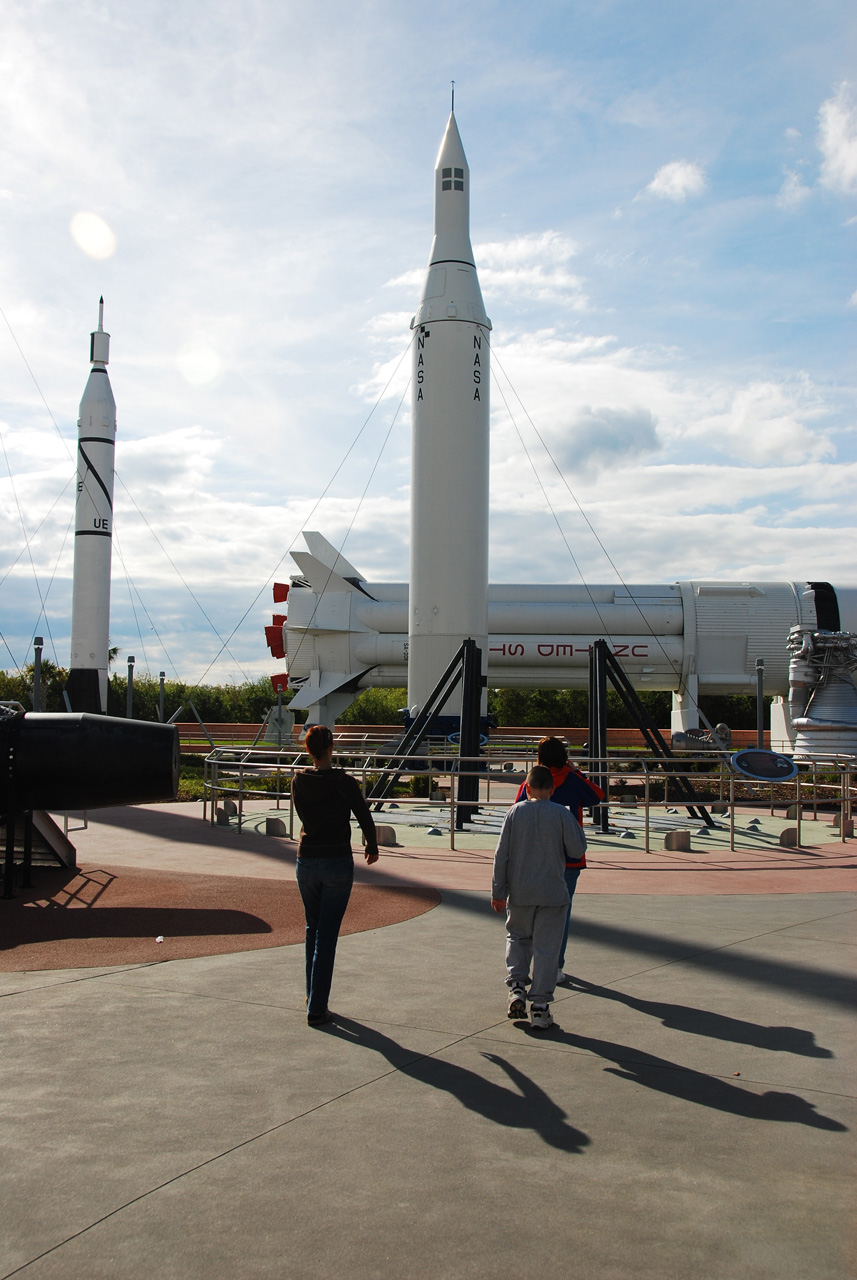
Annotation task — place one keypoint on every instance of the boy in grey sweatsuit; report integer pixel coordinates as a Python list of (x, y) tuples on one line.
[(536, 841)]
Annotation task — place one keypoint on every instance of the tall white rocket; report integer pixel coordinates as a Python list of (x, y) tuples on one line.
[(93, 533), (448, 599)]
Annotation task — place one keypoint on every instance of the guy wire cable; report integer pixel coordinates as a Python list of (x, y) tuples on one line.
[(52, 579), (305, 519), (182, 579), (131, 598), (339, 549), (669, 661), (36, 531), (29, 548)]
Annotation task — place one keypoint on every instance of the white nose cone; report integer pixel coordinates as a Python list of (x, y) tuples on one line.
[(451, 280)]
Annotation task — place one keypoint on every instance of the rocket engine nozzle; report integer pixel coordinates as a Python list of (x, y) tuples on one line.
[(57, 760)]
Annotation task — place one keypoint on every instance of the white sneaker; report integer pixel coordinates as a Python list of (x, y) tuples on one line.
[(517, 1003), (540, 1016)]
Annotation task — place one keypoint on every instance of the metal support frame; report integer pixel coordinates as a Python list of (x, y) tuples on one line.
[(603, 665), (468, 741), (401, 761), (598, 729)]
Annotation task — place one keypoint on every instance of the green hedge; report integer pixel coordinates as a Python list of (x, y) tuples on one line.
[(248, 703)]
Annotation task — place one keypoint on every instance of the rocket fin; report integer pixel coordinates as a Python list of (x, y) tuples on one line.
[(328, 682), (329, 556), (321, 577)]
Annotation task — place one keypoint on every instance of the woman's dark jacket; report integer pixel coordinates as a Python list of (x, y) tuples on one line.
[(325, 800)]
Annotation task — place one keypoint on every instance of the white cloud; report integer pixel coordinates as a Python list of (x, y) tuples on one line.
[(837, 141), (852, 301), (198, 363), (765, 423), (531, 267), (793, 192), (678, 180)]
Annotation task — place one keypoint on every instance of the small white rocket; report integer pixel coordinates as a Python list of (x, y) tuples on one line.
[(449, 442), (93, 533)]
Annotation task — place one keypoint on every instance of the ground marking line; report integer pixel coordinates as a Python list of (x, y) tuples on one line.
[(238, 1146), (69, 982)]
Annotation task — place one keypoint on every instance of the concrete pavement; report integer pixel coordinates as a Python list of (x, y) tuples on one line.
[(692, 1114)]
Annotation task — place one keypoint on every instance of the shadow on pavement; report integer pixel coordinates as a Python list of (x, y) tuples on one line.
[(525, 1106), (695, 1086), (824, 985), (717, 1026), (55, 924)]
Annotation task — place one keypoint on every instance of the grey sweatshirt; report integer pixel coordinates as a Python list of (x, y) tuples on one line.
[(529, 863)]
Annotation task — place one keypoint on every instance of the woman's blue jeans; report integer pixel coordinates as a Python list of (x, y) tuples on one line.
[(325, 887), (572, 875)]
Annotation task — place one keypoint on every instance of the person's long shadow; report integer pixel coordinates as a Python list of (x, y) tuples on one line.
[(525, 1106), (718, 1026), (697, 1087)]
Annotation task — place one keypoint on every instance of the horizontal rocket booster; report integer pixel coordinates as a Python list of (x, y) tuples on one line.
[(534, 650), (508, 616), (539, 636)]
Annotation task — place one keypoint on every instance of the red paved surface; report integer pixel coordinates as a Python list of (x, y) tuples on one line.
[(112, 916)]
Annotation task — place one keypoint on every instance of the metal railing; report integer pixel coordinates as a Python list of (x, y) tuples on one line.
[(230, 773)]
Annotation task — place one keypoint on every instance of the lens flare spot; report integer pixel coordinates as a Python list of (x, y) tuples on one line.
[(92, 234), (198, 364)]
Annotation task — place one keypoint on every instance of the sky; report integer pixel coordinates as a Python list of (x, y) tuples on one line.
[(664, 217)]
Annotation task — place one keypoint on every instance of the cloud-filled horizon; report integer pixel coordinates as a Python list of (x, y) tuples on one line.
[(664, 210)]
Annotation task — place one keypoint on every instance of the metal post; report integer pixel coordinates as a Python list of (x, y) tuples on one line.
[(760, 703), (598, 727), (38, 645), (797, 797), (279, 716), (161, 697), (814, 791), (732, 812), (129, 697), (240, 795), (646, 780)]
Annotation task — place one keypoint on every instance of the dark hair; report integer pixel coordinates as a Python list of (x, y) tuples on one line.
[(318, 739), (539, 778), (552, 753)]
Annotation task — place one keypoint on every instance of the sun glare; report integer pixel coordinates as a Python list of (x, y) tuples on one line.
[(92, 234), (198, 364)]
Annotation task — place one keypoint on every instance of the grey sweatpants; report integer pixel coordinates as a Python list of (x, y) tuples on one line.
[(534, 936)]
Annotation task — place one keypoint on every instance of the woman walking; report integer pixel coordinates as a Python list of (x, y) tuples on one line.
[(325, 799)]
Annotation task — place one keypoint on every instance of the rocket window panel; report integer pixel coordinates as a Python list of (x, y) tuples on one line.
[(459, 173), (447, 185), (459, 186), (446, 173)]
